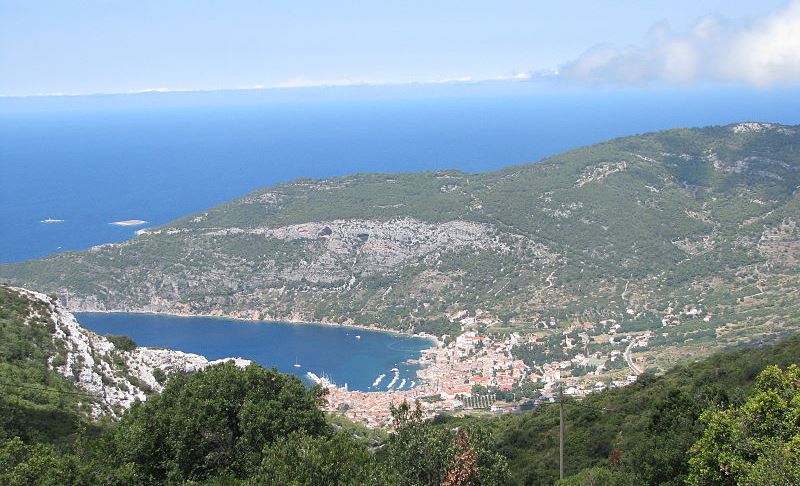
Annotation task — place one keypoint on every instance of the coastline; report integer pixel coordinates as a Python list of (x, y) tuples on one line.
[(432, 343), (366, 327)]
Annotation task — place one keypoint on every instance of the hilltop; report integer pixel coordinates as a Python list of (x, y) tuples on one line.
[(687, 238)]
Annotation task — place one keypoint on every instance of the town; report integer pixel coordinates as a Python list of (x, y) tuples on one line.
[(475, 372)]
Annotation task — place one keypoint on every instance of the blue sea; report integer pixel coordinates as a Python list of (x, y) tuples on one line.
[(91, 161), (335, 352)]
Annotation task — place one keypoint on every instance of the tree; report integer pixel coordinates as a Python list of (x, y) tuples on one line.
[(216, 422), (600, 476), (304, 460), (423, 453), (22, 464), (464, 465), (756, 443)]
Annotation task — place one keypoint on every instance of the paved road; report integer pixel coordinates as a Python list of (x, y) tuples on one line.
[(629, 359)]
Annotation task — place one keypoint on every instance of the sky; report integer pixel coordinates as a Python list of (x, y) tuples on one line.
[(107, 46)]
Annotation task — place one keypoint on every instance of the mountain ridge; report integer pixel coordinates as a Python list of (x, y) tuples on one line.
[(689, 230)]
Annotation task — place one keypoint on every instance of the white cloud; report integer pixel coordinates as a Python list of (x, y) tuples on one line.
[(762, 53)]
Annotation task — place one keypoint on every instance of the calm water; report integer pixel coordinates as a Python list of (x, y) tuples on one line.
[(91, 161), (93, 164), (334, 351)]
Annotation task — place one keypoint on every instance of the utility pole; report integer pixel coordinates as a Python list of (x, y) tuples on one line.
[(560, 431)]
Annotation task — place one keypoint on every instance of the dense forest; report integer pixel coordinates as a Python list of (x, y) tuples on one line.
[(730, 419)]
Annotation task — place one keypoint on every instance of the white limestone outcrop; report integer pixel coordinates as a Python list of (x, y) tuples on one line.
[(115, 377)]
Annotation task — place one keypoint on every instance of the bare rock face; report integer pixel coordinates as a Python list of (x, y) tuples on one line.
[(333, 249), (116, 378)]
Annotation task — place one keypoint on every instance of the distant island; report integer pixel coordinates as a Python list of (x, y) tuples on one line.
[(129, 222)]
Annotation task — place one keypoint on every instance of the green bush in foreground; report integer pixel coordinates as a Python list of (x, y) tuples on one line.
[(757, 443), (216, 422), (228, 425)]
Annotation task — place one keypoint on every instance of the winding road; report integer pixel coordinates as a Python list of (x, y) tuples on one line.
[(629, 359)]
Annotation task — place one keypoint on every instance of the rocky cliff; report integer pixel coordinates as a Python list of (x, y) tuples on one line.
[(114, 378)]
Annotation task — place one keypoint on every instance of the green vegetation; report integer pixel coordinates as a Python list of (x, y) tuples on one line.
[(122, 343), (651, 224), (441, 455), (215, 423), (644, 433), (227, 425), (36, 404), (756, 443), (730, 419)]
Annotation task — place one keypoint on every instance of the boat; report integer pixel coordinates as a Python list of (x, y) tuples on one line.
[(296, 364), (358, 336)]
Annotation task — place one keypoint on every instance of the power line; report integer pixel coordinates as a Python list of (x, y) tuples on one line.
[(54, 390)]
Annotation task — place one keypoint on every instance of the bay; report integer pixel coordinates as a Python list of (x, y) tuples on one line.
[(344, 354)]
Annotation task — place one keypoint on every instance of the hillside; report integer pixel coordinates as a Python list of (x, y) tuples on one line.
[(231, 425), (642, 432), (691, 234), (52, 366)]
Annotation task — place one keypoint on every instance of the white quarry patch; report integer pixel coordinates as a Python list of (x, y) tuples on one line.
[(89, 363), (596, 173)]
